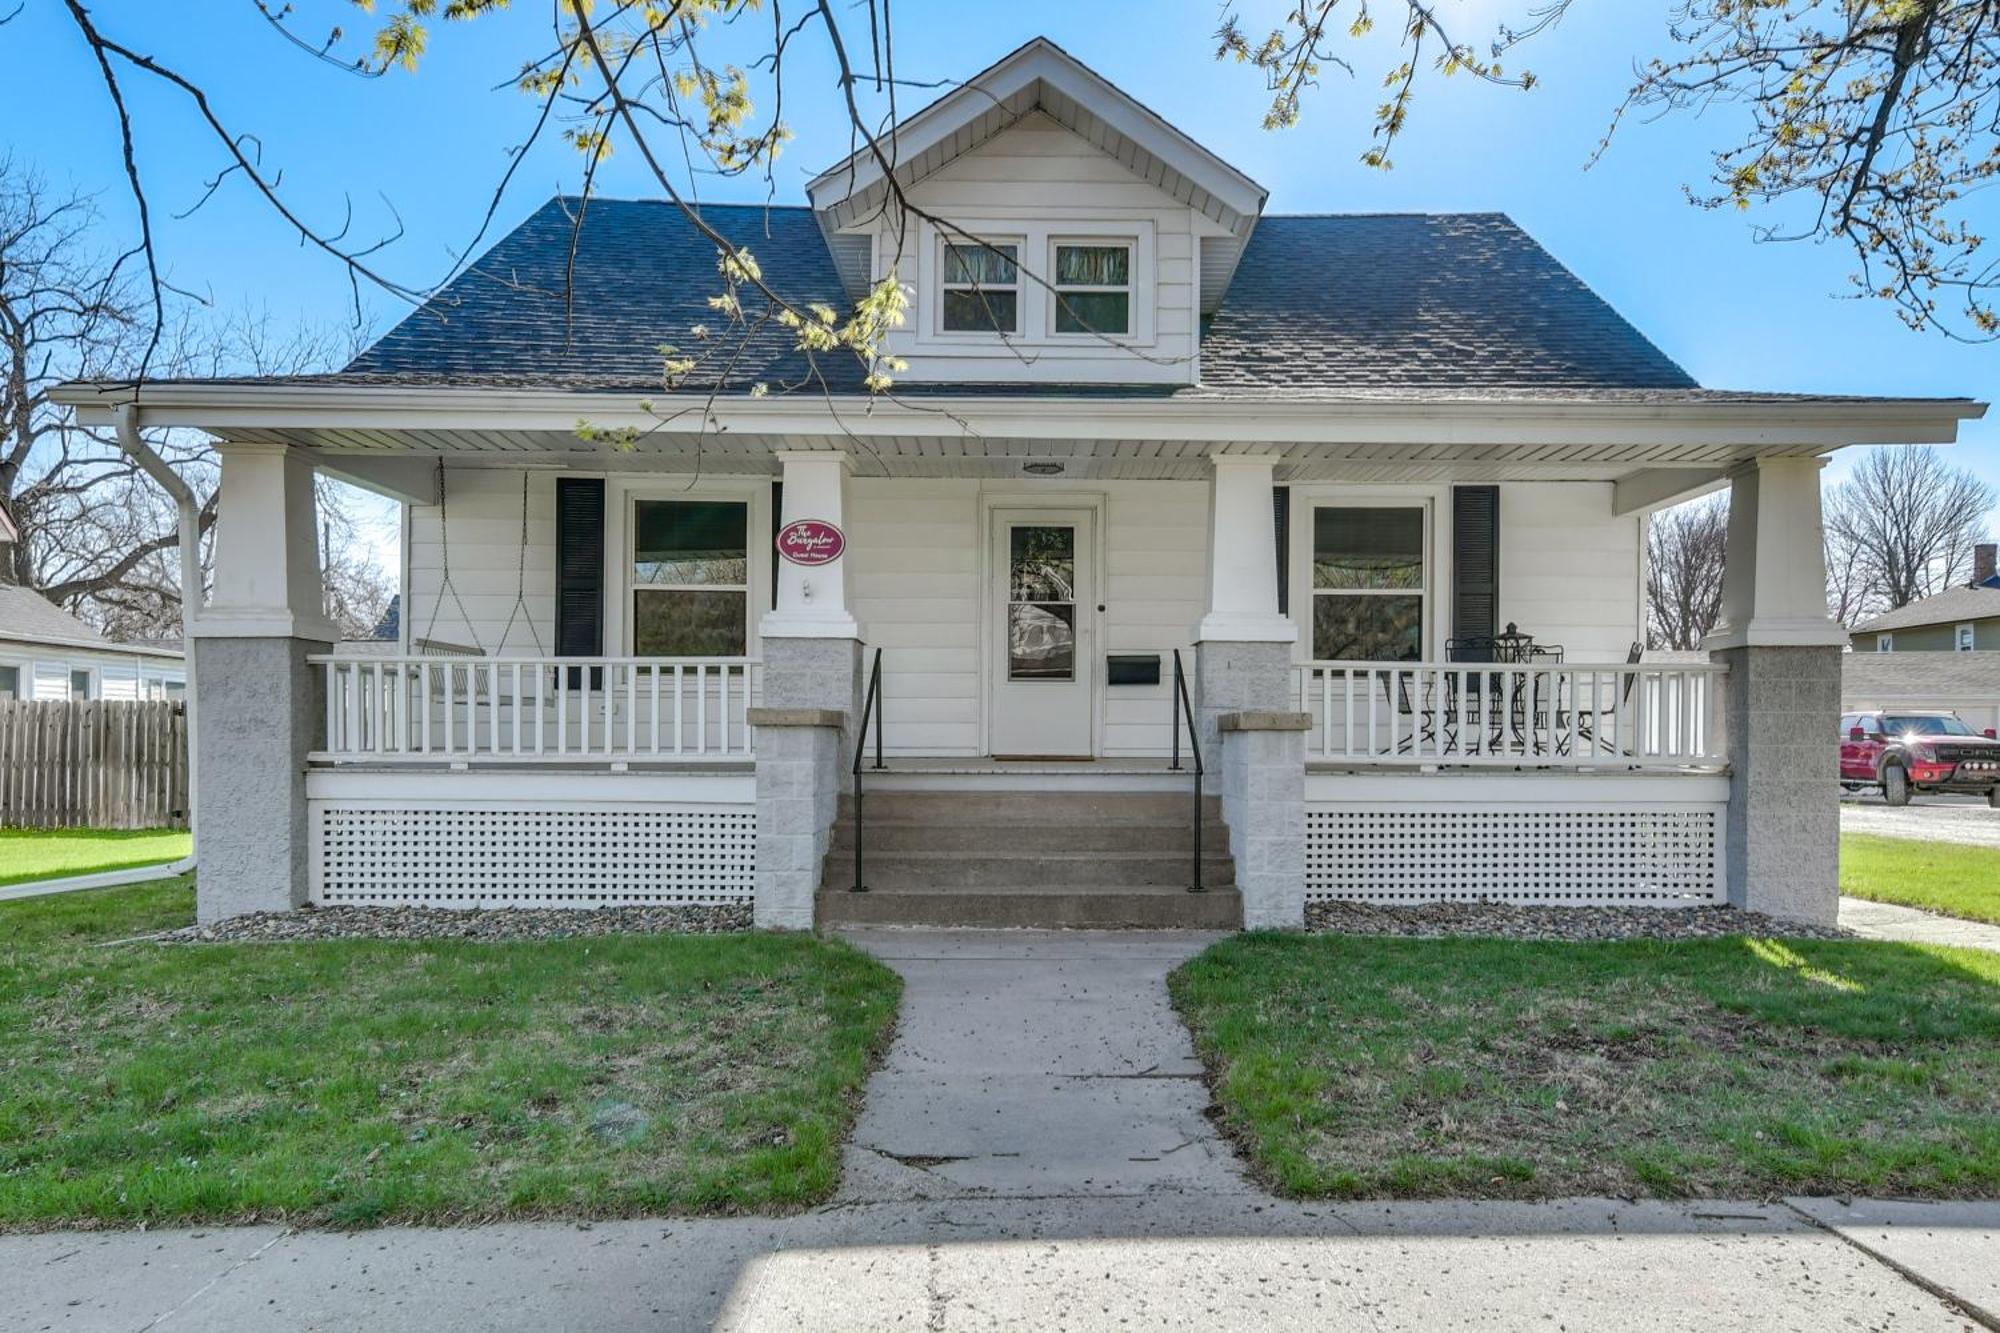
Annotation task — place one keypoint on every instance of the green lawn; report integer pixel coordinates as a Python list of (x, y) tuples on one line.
[(51, 853), (1351, 1067), (1936, 876), (361, 1082)]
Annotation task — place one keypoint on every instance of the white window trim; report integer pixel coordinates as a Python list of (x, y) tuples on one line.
[(1437, 559), (96, 678), (1036, 306), (1130, 246), (1963, 637), (622, 493), (1018, 286)]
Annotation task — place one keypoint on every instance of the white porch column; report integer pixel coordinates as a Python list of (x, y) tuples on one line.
[(811, 695), (812, 599), (1243, 655), (261, 705), (1783, 696)]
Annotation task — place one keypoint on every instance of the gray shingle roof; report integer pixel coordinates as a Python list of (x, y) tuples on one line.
[(1466, 300), (28, 617), (1321, 305), (1953, 606)]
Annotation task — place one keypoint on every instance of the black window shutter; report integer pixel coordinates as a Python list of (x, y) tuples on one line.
[(580, 566), (777, 523), (1281, 513), (1475, 566)]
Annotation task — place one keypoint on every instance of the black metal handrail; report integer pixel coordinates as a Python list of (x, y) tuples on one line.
[(871, 709), (1182, 707)]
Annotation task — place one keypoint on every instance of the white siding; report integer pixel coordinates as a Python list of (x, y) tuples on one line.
[(1569, 568), (484, 505), (1041, 179), (45, 672), (915, 552)]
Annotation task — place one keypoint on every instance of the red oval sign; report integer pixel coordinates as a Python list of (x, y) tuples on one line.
[(811, 541)]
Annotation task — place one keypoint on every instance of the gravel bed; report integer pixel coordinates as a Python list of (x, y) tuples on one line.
[(435, 923), (1503, 921)]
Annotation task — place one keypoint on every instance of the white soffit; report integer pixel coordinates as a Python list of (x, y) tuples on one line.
[(1041, 76)]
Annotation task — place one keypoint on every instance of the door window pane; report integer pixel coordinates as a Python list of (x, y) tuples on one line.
[(672, 622), (10, 682), (690, 542), (1042, 564), (1041, 641), (1041, 592), (79, 684)]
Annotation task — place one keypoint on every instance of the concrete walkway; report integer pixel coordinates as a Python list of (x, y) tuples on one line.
[(1891, 921), (1035, 1155), (1036, 1064)]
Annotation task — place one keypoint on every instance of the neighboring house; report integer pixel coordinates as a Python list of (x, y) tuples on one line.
[(1961, 620), (1320, 462), (47, 653), (1964, 683)]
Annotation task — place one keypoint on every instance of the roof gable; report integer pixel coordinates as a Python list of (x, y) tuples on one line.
[(1041, 76)]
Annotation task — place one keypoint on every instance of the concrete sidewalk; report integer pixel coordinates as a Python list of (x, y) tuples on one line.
[(1035, 1154), (1145, 1261), (1910, 925)]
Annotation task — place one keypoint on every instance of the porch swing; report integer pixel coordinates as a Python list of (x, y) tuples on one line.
[(461, 680)]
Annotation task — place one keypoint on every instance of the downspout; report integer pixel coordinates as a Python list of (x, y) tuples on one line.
[(125, 421)]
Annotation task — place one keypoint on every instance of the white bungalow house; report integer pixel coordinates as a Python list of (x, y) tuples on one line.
[(1372, 488)]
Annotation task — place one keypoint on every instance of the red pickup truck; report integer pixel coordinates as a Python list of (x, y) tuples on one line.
[(1909, 751)]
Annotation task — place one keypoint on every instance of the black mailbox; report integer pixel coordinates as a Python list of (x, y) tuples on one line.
[(1132, 669)]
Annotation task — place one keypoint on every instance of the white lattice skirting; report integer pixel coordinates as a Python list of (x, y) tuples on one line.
[(1613, 854), (526, 854)]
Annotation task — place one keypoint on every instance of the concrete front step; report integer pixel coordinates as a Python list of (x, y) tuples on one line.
[(1138, 835), (1037, 907), (1029, 807), (949, 871)]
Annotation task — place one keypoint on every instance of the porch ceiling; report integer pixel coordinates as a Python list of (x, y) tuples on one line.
[(944, 456)]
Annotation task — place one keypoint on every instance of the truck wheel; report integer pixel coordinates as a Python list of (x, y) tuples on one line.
[(1895, 785)]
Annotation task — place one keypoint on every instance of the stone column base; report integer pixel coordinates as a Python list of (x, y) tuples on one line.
[(1264, 802), (799, 771), (1782, 850), (1239, 677), (260, 707)]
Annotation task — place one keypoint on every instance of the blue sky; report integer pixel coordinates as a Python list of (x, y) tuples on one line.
[(1736, 313)]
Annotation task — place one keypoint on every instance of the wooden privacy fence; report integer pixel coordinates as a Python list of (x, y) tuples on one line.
[(93, 763)]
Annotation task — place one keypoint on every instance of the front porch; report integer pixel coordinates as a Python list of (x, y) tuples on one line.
[(611, 687)]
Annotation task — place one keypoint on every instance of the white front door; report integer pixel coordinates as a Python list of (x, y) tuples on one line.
[(1042, 633)]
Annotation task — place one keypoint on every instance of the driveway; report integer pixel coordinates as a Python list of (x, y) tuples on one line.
[(1034, 1154), (1966, 819)]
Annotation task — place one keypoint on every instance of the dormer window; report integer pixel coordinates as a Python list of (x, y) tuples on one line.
[(982, 288), (1093, 288)]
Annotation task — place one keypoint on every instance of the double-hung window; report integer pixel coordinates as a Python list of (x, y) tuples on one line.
[(690, 578), (1093, 288), (1370, 588), (982, 288), (1962, 638)]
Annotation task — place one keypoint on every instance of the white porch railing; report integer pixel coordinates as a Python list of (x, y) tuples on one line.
[(537, 710), (1501, 715)]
